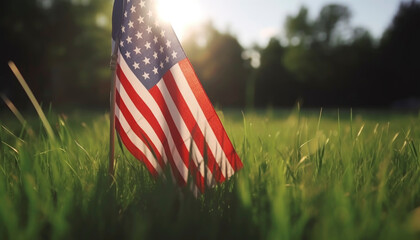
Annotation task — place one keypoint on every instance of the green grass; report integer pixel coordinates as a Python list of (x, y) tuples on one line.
[(306, 175)]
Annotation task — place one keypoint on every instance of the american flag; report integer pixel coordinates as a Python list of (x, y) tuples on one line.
[(162, 113)]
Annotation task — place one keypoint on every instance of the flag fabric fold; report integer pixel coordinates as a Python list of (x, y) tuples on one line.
[(162, 113)]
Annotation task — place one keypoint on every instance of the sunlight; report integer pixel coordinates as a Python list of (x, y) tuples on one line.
[(182, 14)]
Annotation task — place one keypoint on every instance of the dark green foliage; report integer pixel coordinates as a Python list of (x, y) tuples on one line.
[(62, 47), (219, 66), (274, 84), (327, 62), (399, 51)]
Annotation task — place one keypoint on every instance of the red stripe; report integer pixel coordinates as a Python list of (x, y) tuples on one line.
[(210, 114), (133, 149), (179, 142), (148, 115), (137, 130), (192, 125)]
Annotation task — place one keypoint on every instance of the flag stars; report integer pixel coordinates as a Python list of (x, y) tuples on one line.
[(147, 45), (142, 4), (168, 44), (139, 35), (146, 61), (146, 76), (130, 24), (137, 50), (174, 54), (133, 9)]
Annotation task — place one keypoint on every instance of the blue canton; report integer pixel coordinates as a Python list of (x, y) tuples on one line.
[(149, 46)]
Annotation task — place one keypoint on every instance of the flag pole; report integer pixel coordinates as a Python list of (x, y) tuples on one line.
[(113, 66)]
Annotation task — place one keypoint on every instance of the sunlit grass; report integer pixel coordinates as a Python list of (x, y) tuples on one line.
[(307, 174)]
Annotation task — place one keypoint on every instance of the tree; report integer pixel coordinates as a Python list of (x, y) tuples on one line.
[(23, 41), (329, 67), (330, 19), (61, 47), (220, 66), (80, 51), (299, 29), (273, 85), (399, 54)]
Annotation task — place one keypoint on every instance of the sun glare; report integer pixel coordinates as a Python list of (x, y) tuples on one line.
[(182, 14)]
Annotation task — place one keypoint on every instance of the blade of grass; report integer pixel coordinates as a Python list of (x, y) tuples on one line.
[(319, 120), (31, 96), (12, 108)]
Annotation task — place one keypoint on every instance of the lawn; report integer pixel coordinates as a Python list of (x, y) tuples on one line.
[(308, 174)]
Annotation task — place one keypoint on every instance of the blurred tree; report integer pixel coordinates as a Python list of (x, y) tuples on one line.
[(63, 49), (220, 66), (353, 69), (80, 51), (274, 85), (330, 22), (22, 24), (308, 58), (327, 63), (61, 46), (399, 54), (299, 29)]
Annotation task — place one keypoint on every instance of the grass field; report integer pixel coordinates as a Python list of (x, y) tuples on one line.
[(306, 175)]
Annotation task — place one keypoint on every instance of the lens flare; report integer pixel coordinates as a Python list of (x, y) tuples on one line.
[(182, 14)]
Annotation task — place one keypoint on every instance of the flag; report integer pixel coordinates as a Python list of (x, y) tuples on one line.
[(162, 114)]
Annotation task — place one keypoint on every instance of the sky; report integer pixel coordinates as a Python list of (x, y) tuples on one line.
[(256, 21)]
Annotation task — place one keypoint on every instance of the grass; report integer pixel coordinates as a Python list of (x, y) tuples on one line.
[(306, 175)]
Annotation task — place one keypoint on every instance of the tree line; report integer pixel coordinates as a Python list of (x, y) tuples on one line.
[(326, 62), (63, 48)]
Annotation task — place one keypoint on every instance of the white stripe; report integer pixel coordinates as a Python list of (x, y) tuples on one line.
[(202, 122), (140, 120), (184, 132), (136, 140), (150, 102)]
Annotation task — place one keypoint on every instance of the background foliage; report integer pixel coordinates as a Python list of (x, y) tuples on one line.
[(63, 48)]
